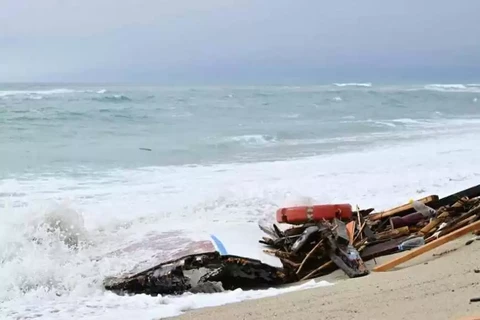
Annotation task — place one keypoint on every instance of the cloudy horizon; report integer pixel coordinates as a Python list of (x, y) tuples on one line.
[(238, 41)]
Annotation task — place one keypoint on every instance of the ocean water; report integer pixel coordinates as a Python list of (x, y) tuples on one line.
[(116, 164)]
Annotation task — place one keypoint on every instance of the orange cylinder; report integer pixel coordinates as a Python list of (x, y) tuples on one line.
[(305, 214)]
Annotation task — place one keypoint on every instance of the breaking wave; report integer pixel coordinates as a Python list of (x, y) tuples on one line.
[(453, 87), (113, 98), (7, 93), (252, 139), (353, 84)]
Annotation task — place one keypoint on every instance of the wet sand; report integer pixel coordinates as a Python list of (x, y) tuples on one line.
[(427, 287)]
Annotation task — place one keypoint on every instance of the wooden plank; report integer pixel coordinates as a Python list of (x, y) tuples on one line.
[(435, 222), (432, 245), (351, 231), (472, 192), (401, 210), (457, 223)]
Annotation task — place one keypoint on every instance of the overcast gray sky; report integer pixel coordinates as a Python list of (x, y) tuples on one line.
[(237, 40)]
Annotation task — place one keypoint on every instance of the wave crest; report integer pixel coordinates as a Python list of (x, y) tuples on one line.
[(113, 98), (252, 139), (353, 84), (458, 87), (7, 93)]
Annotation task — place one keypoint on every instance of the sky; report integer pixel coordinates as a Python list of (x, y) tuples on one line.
[(229, 41)]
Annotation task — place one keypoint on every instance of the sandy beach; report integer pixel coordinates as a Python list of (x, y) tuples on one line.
[(436, 285)]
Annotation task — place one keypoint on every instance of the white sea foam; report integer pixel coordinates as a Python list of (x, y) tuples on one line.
[(385, 124), (109, 306), (407, 121), (452, 87), (252, 139), (353, 84), (37, 92)]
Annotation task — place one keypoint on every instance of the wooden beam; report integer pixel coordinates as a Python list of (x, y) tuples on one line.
[(434, 223), (401, 210), (432, 245)]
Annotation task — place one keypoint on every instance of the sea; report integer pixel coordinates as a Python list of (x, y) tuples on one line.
[(117, 163)]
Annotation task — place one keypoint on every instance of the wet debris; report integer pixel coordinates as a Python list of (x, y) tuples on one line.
[(314, 248), (317, 240), (209, 272)]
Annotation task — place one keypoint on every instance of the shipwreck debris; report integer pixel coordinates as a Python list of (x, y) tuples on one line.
[(210, 272), (318, 240)]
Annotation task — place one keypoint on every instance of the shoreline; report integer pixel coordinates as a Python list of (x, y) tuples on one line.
[(436, 285)]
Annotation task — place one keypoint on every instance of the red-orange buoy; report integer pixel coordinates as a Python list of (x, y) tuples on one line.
[(305, 214)]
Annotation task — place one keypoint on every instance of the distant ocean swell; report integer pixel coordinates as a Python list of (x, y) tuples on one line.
[(107, 96), (96, 127)]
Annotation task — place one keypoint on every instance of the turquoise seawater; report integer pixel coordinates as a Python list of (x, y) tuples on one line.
[(80, 129)]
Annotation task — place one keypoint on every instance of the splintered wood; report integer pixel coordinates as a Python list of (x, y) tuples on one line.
[(319, 247)]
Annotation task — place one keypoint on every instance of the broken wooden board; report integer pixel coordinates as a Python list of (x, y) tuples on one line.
[(434, 223), (402, 210)]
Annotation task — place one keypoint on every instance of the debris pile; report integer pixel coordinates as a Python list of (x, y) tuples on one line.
[(321, 239), (317, 248)]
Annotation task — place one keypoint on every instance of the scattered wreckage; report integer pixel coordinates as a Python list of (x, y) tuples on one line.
[(319, 240)]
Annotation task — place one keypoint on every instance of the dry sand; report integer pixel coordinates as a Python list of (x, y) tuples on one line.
[(427, 287)]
